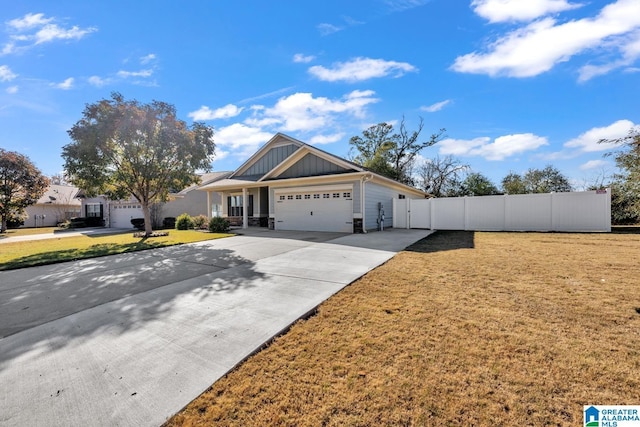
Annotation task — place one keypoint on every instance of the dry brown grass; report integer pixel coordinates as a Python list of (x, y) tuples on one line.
[(462, 329)]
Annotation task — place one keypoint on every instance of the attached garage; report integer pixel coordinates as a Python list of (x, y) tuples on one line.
[(122, 214), (315, 209)]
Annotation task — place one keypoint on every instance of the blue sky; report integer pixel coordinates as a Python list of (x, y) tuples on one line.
[(516, 84)]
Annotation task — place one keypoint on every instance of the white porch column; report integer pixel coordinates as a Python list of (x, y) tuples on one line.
[(209, 214), (245, 208), (225, 211)]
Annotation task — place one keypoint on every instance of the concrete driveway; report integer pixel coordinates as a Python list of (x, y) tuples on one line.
[(128, 340)]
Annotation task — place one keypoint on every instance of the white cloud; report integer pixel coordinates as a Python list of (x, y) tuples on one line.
[(326, 139), (594, 164), (539, 46), (12, 89), (98, 81), (630, 50), (28, 21), (501, 148), (147, 58), (241, 139), (304, 59), (360, 69), (65, 85), (51, 32), (326, 29), (35, 29), (519, 10), (206, 113), (436, 107), (6, 75), (303, 112), (141, 73), (588, 141)]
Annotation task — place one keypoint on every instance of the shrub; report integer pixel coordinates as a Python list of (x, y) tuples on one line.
[(200, 222), (138, 223), (184, 222), (169, 222), (77, 223), (219, 225)]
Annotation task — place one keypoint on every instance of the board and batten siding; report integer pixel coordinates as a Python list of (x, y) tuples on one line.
[(270, 160), (374, 194), (311, 165)]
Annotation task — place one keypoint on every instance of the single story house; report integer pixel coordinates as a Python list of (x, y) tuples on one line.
[(119, 213), (290, 185), (57, 204)]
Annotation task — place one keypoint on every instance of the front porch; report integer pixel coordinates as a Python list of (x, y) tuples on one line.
[(242, 207)]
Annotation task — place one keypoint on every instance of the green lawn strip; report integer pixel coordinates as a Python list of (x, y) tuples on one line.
[(49, 251), (15, 232)]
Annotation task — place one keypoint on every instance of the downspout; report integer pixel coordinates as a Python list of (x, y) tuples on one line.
[(365, 178)]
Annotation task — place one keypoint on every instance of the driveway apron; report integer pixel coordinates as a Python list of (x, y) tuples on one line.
[(129, 340)]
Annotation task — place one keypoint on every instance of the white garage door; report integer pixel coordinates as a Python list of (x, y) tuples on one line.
[(315, 210), (121, 215)]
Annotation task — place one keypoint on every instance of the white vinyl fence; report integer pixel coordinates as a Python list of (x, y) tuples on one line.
[(576, 211)]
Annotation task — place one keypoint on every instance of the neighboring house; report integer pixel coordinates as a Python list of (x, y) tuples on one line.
[(119, 213), (58, 204), (290, 185)]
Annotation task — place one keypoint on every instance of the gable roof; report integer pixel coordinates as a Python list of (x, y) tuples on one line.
[(205, 178), (280, 154), (301, 150), (60, 195)]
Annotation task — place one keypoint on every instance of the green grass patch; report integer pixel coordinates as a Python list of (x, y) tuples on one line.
[(15, 232), (49, 251)]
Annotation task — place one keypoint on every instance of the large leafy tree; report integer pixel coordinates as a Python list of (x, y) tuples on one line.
[(21, 185), (122, 148), (391, 153), (476, 184), (625, 198), (545, 180)]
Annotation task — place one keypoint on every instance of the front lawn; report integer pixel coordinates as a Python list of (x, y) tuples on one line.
[(15, 232), (47, 251), (461, 329)]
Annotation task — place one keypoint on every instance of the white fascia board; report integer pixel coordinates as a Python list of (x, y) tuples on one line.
[(265, 148)]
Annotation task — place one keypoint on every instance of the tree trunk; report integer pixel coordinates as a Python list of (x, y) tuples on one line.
[(3, 225), (147, 219)]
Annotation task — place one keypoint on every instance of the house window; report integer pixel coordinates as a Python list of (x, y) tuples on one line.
[(336, 195), (401, 196), (298, 196), (346, 195), (289, 197), (235, 208), (325, 196), (94, 210), (282, 197), (216, 210), (307, 196), (316, 196)]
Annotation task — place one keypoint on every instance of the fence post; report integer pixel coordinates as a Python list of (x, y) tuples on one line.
[(466, 214)]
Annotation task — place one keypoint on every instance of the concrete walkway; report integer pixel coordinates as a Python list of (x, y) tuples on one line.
[(65, 233), (128, 340)]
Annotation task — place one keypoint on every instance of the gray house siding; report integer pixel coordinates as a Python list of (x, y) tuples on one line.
[(311, 165), (374, 194), (270, 160)]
